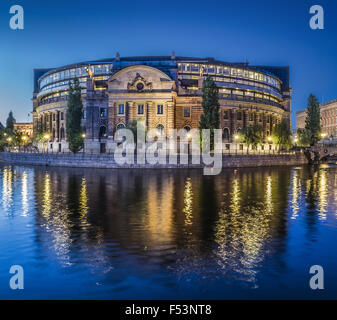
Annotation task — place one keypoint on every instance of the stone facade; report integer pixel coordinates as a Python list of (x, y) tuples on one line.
[(105, 161), (163, 93)]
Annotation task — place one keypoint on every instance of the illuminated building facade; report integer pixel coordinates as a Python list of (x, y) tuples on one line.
[(328, 112), (164, 92), (24, 128)]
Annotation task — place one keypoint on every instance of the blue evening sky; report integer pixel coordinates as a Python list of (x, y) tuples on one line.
[(266, 32)]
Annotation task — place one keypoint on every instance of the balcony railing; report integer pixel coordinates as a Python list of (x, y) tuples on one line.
[(52, 100)]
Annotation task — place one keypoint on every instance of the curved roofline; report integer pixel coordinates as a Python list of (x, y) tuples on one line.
[(206, 60)]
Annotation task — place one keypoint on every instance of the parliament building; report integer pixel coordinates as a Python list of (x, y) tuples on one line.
[(164, 92)]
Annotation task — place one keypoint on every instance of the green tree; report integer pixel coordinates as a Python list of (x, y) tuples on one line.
[(304, 137), (10, 122), (74, 117), (313, 119), (132, 125), (38, 132), (282, 134), (252, 136), (210, 104)]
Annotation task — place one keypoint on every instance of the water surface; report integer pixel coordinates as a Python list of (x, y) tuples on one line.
[(159, 234)]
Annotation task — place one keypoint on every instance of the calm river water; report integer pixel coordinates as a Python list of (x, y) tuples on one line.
[(157, 234)]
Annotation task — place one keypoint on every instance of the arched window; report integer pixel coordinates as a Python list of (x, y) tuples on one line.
[(226, 134), (160, 129), (103, 132), (187, 128), (238, 130), (120, 126)]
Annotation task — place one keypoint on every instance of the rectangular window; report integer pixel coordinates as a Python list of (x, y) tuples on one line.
[(187, 112), (103, 112), (62, 116), (239, 116), (226, 70), (121, 109), (195, 68), (225, 115), (140, 109), (250, 117), (84, 114), (160, 109)]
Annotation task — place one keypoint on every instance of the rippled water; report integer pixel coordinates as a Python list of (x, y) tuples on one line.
[(155, 234)]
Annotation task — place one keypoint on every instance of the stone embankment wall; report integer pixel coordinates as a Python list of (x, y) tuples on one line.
[(108, 161)]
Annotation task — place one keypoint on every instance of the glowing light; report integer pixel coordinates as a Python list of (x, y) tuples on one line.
[(323, 135), (47, 136), (236, 137), (83, 136), (270, 139)]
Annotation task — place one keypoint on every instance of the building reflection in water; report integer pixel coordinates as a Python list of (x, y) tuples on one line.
[(251, 214), (181, 219), (7, 188), (188, 202), (24, 193)]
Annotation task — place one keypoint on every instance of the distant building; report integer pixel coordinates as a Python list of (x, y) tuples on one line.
[(328, 118), (25, 128), (300, 119)]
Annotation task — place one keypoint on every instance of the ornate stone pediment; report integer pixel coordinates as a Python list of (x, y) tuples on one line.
[(139, 84)]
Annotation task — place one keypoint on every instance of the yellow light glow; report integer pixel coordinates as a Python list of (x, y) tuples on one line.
[(47, 136), (83, 135), (236, 137), (24, 138), (269, 139), (323, 135)]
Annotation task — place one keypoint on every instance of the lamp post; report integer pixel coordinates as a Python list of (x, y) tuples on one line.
[(269, 139), (236, 138), (83, 136)]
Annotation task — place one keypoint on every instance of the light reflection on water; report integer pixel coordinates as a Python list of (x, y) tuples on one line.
[(251, 233)]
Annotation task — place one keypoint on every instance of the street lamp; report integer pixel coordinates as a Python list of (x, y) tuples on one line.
[(323, 135), (236, 138)]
